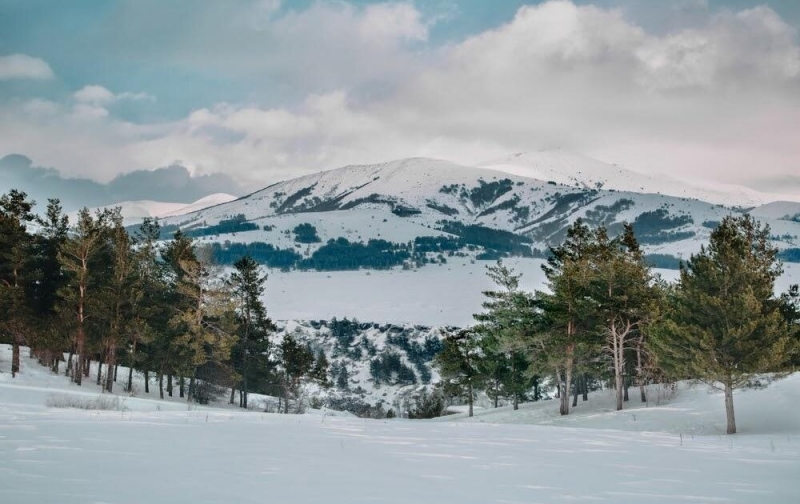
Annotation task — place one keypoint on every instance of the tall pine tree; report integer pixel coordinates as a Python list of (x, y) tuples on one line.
[(725, 325)]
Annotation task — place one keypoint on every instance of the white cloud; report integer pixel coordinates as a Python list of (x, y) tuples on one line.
[(94, 94), (22, 66), (719, 99), (392, 21), (99, 95)]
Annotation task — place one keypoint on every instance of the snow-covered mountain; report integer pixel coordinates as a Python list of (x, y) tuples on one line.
[(572, 169), (134, 211), (486, 210)]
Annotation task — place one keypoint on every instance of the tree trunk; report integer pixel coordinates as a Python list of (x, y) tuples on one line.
[(146, 382), (181, 385), (233, 395), (585, 386), (729, 409), (161, 385), (619, 364), (169, 384), (100, 370), (87, 366), (130, 379), (79, 339), (469, 391), (640, 369), (626, 381), (15, 358), (575, 386), (116, 368), (69, 363), (111, 367), (564, 409)]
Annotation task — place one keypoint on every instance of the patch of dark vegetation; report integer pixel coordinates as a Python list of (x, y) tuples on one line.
[(657, 227), (791, 255), (290, 201), (520, 213), (437, 244), (404, 211), (488, 192), (263, 253), (604, 215), (663, 261), (235, 224), (305, 233), (441, 208), (563, 206), (388, 368), (342, 254), (494, 239)]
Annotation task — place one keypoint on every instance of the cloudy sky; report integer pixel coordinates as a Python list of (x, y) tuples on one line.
[(263, 90)]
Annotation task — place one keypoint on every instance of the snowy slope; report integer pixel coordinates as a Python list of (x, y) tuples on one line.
[(134, 211), (785, 210), (404, 199), (573, 169), (160, 451)]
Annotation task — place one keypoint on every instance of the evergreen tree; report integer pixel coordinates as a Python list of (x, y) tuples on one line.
[(254, 327), (567, 308), (725, 326), (459, 365), (626, 299), (204, 323), (48, 280), (78, 259), (298, 362), (15, 243), (120, 296), (504, 328)]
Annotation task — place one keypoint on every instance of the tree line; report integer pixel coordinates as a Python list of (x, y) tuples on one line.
[(93, 291), (605, 318)]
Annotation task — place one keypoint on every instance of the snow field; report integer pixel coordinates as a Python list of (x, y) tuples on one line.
[(161, 451)]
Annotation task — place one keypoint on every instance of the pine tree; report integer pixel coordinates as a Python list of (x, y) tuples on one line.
[(459, 365), (204, 321), (567, 308), (78, 259), (120, 296), (626, 298), (48, 280), (254, 327), (298, 362), (504, 328), (149, 305), (15, 243), (725, 326)]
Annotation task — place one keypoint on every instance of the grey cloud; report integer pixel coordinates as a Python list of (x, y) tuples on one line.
[(172, 184)]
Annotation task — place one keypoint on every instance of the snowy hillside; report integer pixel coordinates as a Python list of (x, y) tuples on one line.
[(137, 450), (784, 210), (370, 364), (134, 211), (572, 169), (415, 198)]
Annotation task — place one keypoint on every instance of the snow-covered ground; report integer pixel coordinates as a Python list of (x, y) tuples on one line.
[(446, 294), (154, 451)]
